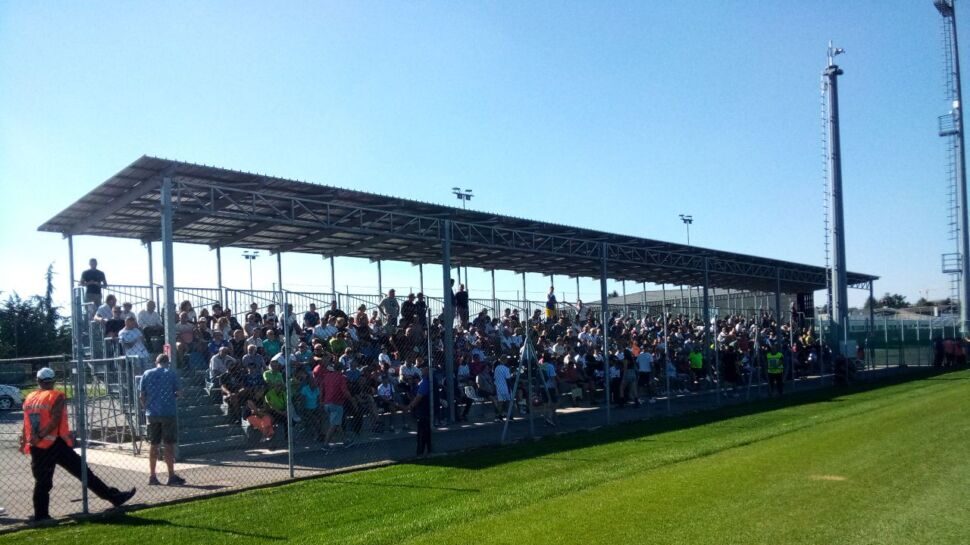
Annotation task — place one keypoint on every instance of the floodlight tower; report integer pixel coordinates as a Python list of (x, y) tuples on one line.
[(839, 312), (250, 256), (687, 219), (951, 127)]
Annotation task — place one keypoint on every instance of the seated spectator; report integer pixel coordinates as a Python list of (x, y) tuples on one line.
[(126, 312), (233, 386), (222, 324), (150, 321), (275, 395), (233, 322), (186, 307), (256, 339), (325, 330), (115, 324), (218, 365), (253, 359), (105, 311), (307, 405), (388, 401), (237, 344), (217, 342), (133, 343), (272, 345)]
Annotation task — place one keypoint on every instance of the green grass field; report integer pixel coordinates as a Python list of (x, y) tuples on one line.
[(881, 466)]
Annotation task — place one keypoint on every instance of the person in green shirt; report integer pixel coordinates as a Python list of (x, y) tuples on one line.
[(696, 360), (275, 396), (338, 343), (776, 370)]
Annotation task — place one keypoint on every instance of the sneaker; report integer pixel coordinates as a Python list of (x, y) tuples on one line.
[(153, 481), (120, 498), (175, 480), (2, 511)]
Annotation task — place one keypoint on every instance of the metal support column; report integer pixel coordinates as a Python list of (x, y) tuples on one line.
[(626, 308), (578, 298), (286, 362), (80, 413), (168, 268), (707, 328), (151, 267), (219, 273), (872, 324), (421, 278), (840, 308), (525, 303), (495, 309), (605, 317), (663, 310), (528, 369), (333, 279), (448, 315), (644, 310), (380, 279)]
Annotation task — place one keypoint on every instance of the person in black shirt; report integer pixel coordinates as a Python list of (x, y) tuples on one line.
[(311, 318), (461, 305), (408, 310), (421, 311), (334, 312), (93, 280)]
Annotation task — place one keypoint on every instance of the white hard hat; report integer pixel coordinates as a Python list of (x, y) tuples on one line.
[(45, 374)]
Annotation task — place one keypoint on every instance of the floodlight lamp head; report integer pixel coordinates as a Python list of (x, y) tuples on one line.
[(945, 7)]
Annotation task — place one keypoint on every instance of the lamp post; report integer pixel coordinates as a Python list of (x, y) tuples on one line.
[(250, 256), (687, 219), (464, 196)]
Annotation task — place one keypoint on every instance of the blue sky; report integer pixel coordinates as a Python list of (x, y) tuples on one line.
[(615, 116)]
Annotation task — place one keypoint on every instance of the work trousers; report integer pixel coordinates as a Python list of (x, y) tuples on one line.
[(43, 461)]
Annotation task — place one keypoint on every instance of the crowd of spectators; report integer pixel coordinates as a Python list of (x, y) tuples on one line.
[(358, 370)]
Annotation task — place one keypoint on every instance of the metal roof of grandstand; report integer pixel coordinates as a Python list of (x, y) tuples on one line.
[(228, 208)]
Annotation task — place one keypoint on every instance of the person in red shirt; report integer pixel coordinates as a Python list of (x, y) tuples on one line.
[(334, 392)]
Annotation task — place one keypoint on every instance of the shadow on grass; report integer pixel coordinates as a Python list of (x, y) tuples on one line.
[(124, 519), (395, 485), (641, 430)]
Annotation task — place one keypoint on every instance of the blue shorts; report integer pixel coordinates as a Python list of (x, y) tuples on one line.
[(336, 413)]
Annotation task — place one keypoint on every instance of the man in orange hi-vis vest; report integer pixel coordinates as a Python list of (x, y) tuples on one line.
[(47, 438)]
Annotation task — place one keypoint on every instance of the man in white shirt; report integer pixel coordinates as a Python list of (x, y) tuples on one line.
[(150, 321), (105, 311), (502, 375), (219, 364), (325, 331), (644, 370)]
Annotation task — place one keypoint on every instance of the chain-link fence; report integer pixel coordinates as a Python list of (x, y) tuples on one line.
[(357, 388)]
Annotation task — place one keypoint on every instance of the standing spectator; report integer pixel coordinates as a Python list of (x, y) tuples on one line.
[(390, 310), (334, 312), (159, 392), (408, 310), (645, 371), (551, 304), (503, 394), (333, 386), (461, 305), (421, 310), (93, 281), (311, 318), (420, 406)]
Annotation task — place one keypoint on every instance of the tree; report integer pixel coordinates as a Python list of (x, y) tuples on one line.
[(871, 303), (894, 300), (33, 326), (922, 302)]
